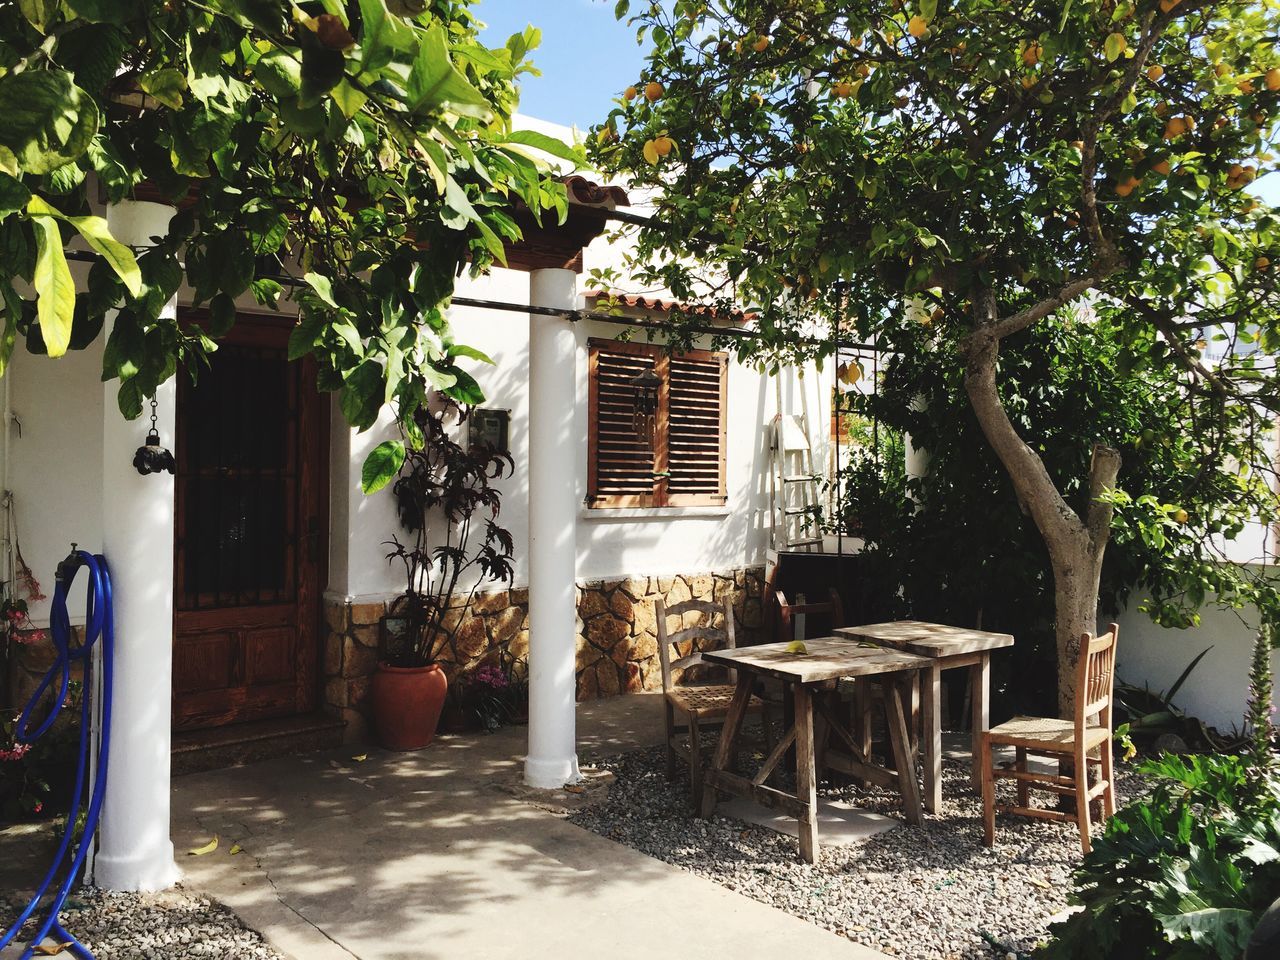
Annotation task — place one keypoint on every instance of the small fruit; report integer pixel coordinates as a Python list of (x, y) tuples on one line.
[(1155, 72), (917, 26), (662, 145), (797, 647), (1221, 69), (1175, 127), (1161, 167), (1126, 187), (1262, 263), (650, 152), (757, 100), (630, 94), (1028, 82), (842, 89), (1180, 516), (864, 70), (1031, 55), (1162, 109), (1078, 146), (653, 91), (1245, 86), (761, 44), (1272, 78)]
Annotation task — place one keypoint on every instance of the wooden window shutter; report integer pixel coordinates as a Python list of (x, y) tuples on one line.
[(696, 428), (686, 466)]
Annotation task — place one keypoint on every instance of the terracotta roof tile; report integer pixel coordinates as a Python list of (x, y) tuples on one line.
[(659, 305)]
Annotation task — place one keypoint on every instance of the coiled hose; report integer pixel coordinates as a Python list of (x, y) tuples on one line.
[(98, 628)]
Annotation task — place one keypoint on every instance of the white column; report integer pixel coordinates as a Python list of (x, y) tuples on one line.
[(135, 852), (553, 510)]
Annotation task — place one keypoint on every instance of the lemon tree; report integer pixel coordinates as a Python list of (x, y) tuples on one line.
[(986, 164), (364, 147)]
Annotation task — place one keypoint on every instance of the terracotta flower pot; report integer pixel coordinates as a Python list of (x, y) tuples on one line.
[(406, 705)]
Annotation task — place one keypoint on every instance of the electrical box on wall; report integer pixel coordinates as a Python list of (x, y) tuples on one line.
[(490, 426)]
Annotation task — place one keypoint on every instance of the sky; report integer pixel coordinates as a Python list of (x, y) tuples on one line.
[(587, 57)]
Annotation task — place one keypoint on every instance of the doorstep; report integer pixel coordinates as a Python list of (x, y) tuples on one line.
[(194, 751)]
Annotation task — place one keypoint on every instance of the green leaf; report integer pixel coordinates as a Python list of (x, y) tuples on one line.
[(55, 289), (322, 286), (39, 12), (435, 83), (13, 195), (540, 141), (222, 315), (48, 120), (381, 466), (166, 84), (382, 35), (106, 11), (280, 74), (462, 350), (121, 258), (928, 10)]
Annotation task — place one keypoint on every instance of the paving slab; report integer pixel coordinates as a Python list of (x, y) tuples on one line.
[(839, 823), (429, 856)]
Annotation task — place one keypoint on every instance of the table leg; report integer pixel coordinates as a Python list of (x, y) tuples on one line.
[(728, 738), (932, 737), (980, 696), (897, 693), (862, 726), (806, 775)]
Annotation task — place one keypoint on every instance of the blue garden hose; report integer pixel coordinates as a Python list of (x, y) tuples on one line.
[(98, 626)]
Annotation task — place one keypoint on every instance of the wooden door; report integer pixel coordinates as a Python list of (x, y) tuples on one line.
[(251, 506)]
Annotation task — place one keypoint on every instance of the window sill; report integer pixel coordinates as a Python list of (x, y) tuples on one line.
[(624, 514)]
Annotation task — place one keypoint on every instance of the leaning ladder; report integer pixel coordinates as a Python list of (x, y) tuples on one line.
[(793, 484)]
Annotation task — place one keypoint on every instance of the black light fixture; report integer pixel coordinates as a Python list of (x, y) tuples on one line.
[(151, 457), (644, 398)]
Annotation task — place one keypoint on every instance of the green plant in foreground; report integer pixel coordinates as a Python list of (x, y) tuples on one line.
[(1186, 872)]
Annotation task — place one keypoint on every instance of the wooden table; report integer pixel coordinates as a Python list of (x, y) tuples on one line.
[(947, 648), (808, 675)]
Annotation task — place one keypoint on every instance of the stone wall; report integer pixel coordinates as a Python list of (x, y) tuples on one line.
[(617, 635)]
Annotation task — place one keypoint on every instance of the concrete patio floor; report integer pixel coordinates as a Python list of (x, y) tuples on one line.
[(429, 856)]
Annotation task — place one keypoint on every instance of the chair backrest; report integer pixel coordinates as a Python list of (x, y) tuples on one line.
[(793, 618), (1095, 677), (722, 636)]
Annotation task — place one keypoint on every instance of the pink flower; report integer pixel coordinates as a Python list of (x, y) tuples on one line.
[(16, 752), (39, 806)]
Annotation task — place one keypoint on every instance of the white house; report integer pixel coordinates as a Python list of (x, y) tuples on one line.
[(251, 586)]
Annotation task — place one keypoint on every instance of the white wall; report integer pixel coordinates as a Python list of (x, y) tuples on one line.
[(1217, 690), (611, 543)]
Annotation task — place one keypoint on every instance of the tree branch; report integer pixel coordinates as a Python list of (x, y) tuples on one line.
[(1103, 470)]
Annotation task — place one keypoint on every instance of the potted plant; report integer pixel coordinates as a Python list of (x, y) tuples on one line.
[(449, 508)]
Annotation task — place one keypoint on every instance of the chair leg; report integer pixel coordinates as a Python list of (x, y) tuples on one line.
[(1081, 776), (1024, 791), (1108, 774), (695, 757), (988, 791), (669, 718)]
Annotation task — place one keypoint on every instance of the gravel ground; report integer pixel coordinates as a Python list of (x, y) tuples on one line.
[(174, 925), (929, 893)]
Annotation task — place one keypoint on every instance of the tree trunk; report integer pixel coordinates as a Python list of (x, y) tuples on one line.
[(1075, 545)]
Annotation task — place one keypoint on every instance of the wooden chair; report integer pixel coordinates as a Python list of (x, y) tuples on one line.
[(690, 708), (1063, 740), (793, 618)]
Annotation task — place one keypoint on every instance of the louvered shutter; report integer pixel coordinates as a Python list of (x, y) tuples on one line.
[(695, 429), (621, 466), (686, 466)]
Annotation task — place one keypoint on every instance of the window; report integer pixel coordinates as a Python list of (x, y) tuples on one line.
[(685, 467)]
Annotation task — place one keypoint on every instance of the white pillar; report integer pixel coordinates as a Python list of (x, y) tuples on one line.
[(134, 851), (553, 510)]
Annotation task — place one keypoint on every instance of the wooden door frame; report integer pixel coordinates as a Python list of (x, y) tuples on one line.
[(309, 689)]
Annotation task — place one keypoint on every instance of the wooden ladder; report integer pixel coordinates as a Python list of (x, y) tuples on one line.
[(793, 483)]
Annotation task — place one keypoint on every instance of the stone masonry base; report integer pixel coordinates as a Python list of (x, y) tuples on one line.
[(617, 635)]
